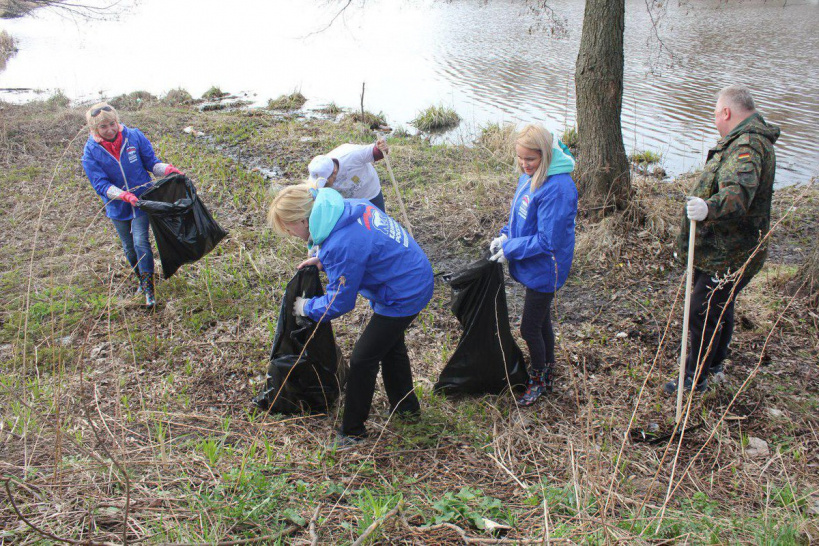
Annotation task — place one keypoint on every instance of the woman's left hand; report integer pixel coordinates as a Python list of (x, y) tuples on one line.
[(311, 261), (381, 144)]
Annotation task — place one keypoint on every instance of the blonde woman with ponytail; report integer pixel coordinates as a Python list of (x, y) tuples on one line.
[(538, 243)]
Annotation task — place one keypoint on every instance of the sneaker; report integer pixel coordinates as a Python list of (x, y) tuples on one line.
[(670, 388), (536, 387), (343, 442)]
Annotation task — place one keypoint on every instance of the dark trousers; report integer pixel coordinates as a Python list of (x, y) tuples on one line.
[(709, 297), (380, 345), (536, 328), (378, 201)]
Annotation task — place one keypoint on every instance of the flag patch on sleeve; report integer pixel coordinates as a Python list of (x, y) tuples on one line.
[(744, 156)]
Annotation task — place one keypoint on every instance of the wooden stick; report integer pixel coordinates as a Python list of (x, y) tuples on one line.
[(689, 274), (397, 192)]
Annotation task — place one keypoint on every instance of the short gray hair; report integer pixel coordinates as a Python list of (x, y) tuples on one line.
[(738, 96)]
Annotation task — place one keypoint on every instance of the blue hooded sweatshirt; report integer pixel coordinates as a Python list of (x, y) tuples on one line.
[(541, 224), (128, 172), (365, 251)]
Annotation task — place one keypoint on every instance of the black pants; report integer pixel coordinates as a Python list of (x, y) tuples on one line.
[(378, 201), (708, 299), (536, 328), (381, 344)]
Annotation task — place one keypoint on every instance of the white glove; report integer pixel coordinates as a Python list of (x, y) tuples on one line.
[(496, 243), (298, 306), (696, 209), (499, 257)]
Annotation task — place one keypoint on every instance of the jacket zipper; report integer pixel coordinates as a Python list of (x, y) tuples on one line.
[(119, 163), (516, 206)]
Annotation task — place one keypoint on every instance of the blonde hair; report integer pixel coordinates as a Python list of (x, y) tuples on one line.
[(292, 203), (102, 115), (535, 137)]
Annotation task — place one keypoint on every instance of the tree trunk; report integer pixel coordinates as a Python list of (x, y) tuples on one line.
[(603, 169)]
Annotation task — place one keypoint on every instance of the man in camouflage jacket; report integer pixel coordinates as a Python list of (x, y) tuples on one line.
[(732, 206)]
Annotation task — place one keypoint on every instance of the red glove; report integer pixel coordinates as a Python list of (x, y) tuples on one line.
[(129, 197), (170, 169)]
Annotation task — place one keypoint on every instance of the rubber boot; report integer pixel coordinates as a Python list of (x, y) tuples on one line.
[(539, 382), (147, 283), (139, 283)]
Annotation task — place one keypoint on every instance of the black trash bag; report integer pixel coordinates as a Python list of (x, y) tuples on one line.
[(183, 228), (487, 359), (312, 383)]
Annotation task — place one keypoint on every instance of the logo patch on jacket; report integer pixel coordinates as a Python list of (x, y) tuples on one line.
[(523, 210), (374, 218), (132, 154)]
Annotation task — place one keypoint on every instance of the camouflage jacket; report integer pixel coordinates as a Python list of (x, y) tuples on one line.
[(737, 184)]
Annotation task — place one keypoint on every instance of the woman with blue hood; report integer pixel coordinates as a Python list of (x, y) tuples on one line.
[(538, 244), (364, 251)]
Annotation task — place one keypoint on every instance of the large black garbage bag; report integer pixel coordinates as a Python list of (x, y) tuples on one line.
[(487, 359), (313, 382), (183, 228)]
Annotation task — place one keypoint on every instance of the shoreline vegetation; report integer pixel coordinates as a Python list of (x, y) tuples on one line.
[(120, 425)]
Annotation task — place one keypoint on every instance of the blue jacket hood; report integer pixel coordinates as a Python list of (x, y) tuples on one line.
[(326, 211), (562, 158)]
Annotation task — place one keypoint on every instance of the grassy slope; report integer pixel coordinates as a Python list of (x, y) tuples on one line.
[(94, 388)]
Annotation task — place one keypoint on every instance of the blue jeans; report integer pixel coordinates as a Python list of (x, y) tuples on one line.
[(135, 243)]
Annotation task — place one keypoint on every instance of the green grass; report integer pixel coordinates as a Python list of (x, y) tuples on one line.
[(169, 392), (214, 93), (436, 119), (177, 97), (331, 109), (293, 101), (570, 139), (645, 157)]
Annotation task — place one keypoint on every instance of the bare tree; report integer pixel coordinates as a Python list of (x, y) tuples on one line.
[(603, 168), (10, 9)]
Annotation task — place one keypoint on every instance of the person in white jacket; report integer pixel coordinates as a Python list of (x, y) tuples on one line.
[(349, 170)]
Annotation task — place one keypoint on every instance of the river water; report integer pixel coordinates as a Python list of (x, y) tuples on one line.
[(491, 61)]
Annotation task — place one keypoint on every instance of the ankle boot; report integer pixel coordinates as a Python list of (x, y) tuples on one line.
[(538, 384), (147, 284)]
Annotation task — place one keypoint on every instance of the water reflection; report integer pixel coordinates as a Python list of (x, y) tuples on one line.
[(478, 57), (666, 107)]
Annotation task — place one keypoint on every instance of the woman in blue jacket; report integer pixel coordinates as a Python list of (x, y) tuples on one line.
[(117, 160), (363, 251), (538, 243)]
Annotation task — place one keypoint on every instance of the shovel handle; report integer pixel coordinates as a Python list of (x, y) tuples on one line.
[(380, 135), (689, 274)]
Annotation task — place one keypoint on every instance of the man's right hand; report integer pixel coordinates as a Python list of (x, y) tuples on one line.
[(696, 209), (129, 197)]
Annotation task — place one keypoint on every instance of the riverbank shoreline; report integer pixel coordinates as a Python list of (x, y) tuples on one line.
[(98, 389)]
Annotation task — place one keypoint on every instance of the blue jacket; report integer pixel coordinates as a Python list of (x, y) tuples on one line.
[(129, 172), (540, 247), (365, 251)]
